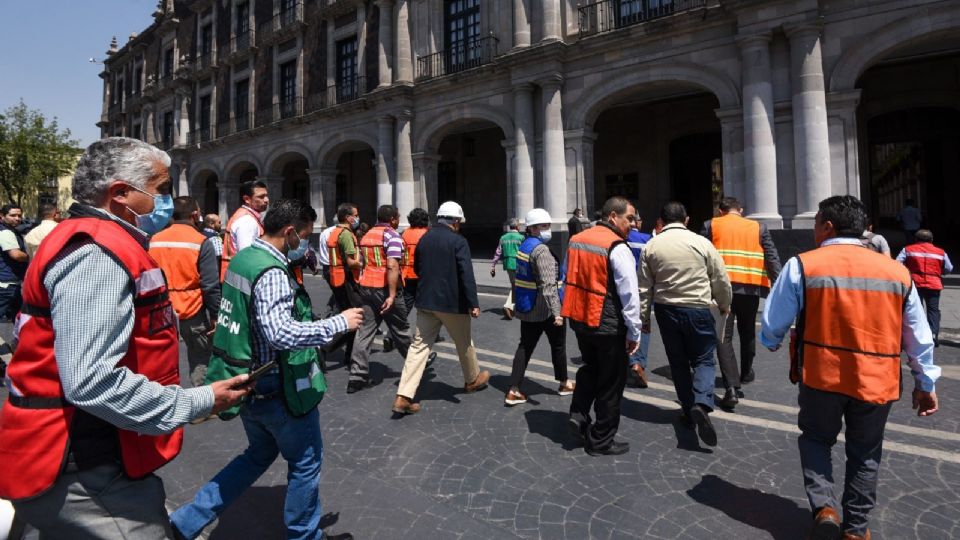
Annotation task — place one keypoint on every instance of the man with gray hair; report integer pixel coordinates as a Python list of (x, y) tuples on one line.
[(507, 252), (95, 406)]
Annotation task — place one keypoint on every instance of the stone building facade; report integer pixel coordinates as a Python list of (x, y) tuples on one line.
[(504, 105)]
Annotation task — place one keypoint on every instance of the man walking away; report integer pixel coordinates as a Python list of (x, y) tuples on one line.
[(855, 311), (602, 304), (419, 221), (538, 306), (910, 219), (447, 297), (13, 260), (379, 283), (927, 264), (507, 251), (681, 276), (189, 261), (752, 265), (638, 360), (874, 240), (575, 225), (95, 406), (49, 218), (245, 225)]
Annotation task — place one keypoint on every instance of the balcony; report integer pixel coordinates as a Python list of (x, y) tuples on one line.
[(205, 60), (199, 136), (342, 92), (285, 24), (607, 15), (291, 108), (165, 80), (472, 54), (335, 8), (237, 124), (241, 43)]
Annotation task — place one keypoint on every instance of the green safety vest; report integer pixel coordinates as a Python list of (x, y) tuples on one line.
[(233, 354), (509, 245)]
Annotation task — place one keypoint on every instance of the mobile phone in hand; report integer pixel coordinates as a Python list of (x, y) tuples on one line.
[(261, 371)]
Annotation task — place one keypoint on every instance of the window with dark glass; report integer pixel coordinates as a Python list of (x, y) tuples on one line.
[(288, 88), (168, 62), (167, 129), (347, 87), (135, 132), (206, 39), (243, 18), (137, 78), (241, 104), (462, 18), (205, 104), (287, 13)]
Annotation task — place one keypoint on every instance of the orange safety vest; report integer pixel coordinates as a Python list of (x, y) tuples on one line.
[(374, 274), (177, 250), (411, 237), (229, 250), (37, 423), (738, 241), (338, 274), (850, 328), (588, 298)]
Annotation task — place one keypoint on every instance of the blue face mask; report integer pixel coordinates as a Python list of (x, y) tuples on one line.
[(300, 251), (158, 218)]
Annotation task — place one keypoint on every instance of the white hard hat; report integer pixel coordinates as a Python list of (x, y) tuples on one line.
[(537, 216), (451, 209)]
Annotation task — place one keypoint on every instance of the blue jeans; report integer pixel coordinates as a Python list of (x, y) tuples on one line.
[(640, 357), (270, 431), (690, 340)]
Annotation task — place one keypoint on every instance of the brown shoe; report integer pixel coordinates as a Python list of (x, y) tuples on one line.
[(479, 383), (514, 397), (508, 313), (826, 525), (403, 405), (639, 376), (851, 536), (567, 387)]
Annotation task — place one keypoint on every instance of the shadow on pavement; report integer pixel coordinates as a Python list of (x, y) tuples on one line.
[(431, 389), (552, 425), (258, 513), (780, 517)]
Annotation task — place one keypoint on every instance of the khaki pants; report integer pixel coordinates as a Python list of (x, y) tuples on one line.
[(428, 326)]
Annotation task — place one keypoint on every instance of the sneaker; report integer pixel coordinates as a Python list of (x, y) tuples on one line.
[(479, 383), (514, 397), (567, 388)]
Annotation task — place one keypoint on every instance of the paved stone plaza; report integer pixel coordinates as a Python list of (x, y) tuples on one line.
[(467, 467)]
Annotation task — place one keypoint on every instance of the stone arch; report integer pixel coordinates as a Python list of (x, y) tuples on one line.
[(231, 166), (333, 147), (199, 175), (585, 112), (278, 157), (929, 23), (432, 133)]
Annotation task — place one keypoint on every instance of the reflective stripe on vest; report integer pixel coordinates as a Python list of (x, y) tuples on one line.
[(587, 277), (34, 434), (925, 262), (177, 251), (738, 241), (850, 329), (525, 283), (411, 237), (229, 250), (338, 274), (374, 273)]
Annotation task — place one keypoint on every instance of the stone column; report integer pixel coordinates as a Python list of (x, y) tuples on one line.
[(361, 45), (404, 51), (331, 57), (523, 196), (183, 120), (580, 143), (521, 23), (554, 162), (810, 129), (845, 166), (229, 200), (323, 183), (426, 166), (149, 135), (731, 133), (759, 147), (386, 42), (385, 163), (551, 22), (404, 199)]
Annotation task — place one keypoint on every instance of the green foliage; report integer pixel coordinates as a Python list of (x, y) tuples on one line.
[(33, 151)]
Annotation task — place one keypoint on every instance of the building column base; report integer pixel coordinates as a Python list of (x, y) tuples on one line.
[(805, 220), (771, 220)]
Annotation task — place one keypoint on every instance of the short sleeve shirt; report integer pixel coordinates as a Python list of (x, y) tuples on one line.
[(8, 240), (347, 243), (392, 242)]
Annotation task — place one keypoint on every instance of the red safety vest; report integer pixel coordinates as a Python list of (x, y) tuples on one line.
[(851, 327), (411, 237), (229, 250), (374, 274), (35, 422), (925, 262), (338, 274)]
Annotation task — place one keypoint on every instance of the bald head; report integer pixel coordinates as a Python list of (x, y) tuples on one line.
[(212, 221)]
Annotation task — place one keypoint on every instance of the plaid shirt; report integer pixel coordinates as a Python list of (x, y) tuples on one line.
[(275, 328)]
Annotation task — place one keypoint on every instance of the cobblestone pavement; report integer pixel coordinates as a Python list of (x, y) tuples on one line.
[(468, 467)]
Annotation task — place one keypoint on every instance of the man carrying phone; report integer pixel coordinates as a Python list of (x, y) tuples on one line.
[(266, 316)]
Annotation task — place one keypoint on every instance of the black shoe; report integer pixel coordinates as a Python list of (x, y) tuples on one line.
[(748, 377), (579, 429), (685, 420), (431, 358), (704, 426), (342, 536), (730, 400), (439, 339), (615, 448), (356, 386), (387, 344)]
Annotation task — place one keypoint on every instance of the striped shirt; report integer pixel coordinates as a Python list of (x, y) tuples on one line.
[(215, 240), (275, 329), (91, 307), (392, 241)]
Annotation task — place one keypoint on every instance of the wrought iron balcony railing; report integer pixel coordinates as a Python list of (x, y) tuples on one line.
[(606, 15), (469, 55), (343, 92), (291, 107)]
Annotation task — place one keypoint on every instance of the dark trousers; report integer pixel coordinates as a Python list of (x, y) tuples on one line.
[(410, 293), (600, 383), (397, 326), (346, 298), (10, 300), (744, 310), (931, 301), (529, 336), (689, 338), (822, 414)]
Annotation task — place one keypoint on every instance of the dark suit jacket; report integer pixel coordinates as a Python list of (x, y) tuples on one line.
[(574, 225), (771, 260), (445, 268)]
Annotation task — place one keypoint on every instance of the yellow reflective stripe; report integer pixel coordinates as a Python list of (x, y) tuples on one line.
[(746, 270), (740, 253), (525, 284), (523, 256)]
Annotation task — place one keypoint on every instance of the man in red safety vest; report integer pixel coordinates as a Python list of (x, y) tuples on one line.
[(927, 264)]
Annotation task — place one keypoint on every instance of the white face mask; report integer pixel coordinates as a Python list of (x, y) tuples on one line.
[(546, 235)]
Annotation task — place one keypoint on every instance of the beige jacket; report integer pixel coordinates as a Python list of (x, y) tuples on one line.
[(681, 268)]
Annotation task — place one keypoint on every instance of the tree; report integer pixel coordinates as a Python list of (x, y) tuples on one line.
[(32, 151)]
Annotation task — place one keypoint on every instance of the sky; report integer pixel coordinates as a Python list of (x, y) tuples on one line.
[(44, 50)]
